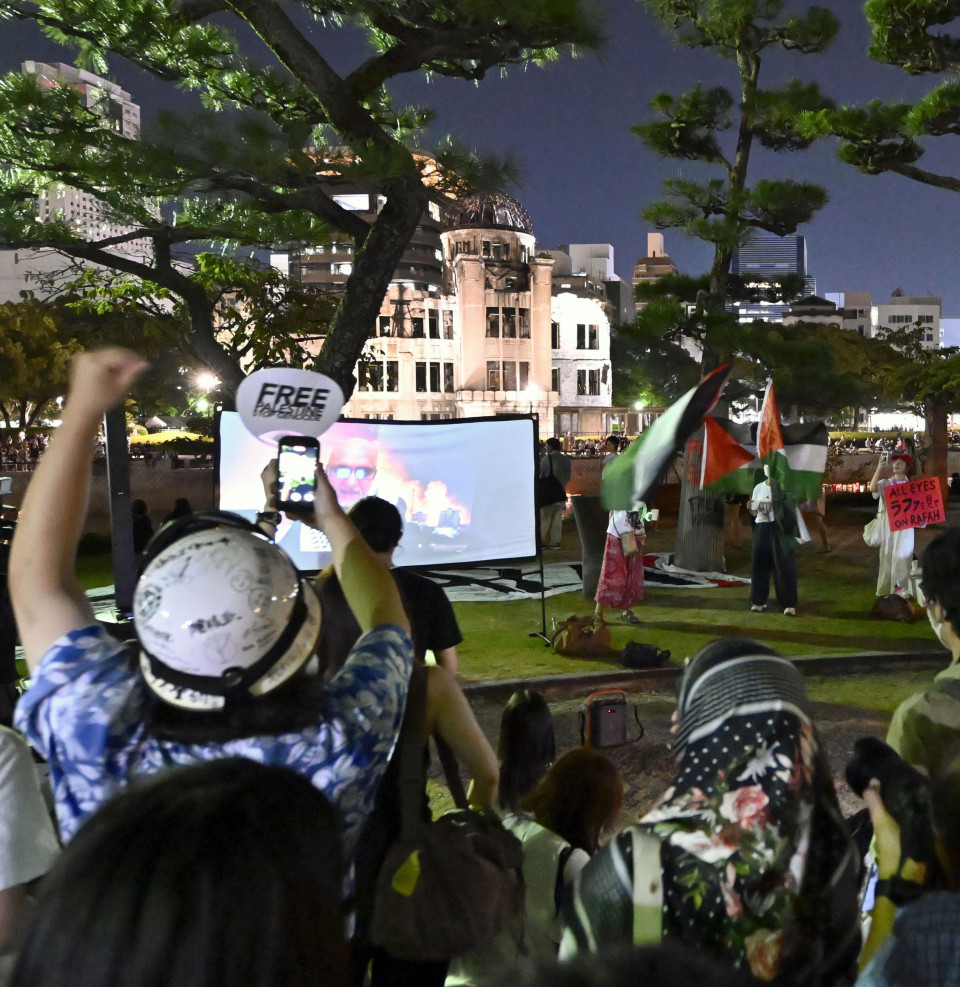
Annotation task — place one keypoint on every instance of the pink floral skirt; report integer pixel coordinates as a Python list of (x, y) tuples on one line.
[(621, 579)]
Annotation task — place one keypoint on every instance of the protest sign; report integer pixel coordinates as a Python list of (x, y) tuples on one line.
[(914, 504), (286, 401)]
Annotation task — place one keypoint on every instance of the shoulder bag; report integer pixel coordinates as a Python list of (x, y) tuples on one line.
[(448, 885)]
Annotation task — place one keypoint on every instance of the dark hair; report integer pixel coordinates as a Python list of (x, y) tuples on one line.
[(181, 508), (941, 574), (670, 963), (526, 746), (297, 704), (577, 798), (222, 874), (554, 443), (378, 521), (612, 439), (139, 507)]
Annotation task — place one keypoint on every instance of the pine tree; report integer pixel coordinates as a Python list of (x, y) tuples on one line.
[(720, 129), (253, 166)]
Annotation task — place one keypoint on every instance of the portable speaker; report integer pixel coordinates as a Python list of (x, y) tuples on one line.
[(603, 722)]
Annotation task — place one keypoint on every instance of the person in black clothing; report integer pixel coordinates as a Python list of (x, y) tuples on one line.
[(432, 620), (142, 526)]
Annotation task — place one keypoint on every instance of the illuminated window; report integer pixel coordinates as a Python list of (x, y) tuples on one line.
[(524, 375), (493, 375), (353, 203)]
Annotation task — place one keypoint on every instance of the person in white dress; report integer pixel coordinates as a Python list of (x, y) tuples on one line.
[(896, 547)]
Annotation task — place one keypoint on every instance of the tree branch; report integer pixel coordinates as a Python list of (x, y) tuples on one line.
[(308, 66), (927, 177)]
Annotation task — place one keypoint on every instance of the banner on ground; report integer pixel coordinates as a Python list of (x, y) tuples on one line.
[(631, 476), (914, 504)]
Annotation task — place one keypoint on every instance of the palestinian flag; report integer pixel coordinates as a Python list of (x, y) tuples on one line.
[(631, 476), (731, 463)]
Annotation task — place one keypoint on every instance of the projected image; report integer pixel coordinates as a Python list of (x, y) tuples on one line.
[(464, 489)]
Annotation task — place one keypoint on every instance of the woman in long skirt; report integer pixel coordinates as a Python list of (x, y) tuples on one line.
[(896, 547), (621, 575)]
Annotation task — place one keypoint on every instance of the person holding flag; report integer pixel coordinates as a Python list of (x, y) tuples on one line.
[(776, 529)]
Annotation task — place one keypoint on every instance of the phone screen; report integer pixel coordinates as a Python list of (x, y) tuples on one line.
[(297, 468)]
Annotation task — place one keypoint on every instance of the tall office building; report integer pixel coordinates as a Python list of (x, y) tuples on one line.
[(763, 258), (85, 214)]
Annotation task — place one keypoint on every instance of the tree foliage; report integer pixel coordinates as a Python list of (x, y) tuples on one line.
[(253, 166), (36, 343), (720, 128), (892, 137)]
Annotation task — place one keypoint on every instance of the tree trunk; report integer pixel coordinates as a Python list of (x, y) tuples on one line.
[(699, 543), (375, 263), (936, 438)]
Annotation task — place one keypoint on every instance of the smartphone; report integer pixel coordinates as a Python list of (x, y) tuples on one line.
[(885, 456), (297, 458)]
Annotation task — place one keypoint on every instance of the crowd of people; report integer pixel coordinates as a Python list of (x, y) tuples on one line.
[(227, 787), (21, 453)]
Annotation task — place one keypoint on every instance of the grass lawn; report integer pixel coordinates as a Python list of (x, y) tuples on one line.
[(836, 593)]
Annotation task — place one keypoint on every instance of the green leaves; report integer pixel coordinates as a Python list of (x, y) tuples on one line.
[(692, 123)]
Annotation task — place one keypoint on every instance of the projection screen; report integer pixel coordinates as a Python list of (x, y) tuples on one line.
[(465, 487)]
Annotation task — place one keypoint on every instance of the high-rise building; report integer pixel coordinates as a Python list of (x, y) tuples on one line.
[(85, 214), (655, 265), (761, 260)]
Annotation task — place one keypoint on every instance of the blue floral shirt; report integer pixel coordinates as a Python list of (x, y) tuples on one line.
[(85, 706)]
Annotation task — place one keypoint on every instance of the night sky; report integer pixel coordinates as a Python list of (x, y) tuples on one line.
[(584, 177)]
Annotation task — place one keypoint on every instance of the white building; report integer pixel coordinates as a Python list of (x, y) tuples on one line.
[(903, 311), (580, 341), (85, 214)]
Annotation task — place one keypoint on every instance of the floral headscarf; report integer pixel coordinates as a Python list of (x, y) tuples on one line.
[(756, 863), (735, 828)]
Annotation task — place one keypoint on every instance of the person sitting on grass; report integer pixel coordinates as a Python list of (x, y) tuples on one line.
[(526, 746), (559, 824), (226, 629)]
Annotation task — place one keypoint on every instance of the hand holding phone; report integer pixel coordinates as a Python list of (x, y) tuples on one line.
[(297, 459)]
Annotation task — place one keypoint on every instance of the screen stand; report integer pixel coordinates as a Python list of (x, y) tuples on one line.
[(542, 633)]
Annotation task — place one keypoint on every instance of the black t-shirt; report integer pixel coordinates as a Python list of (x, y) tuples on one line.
[(433, 624)]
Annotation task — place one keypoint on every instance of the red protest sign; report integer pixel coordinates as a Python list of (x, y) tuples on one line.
[(914, 503)]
